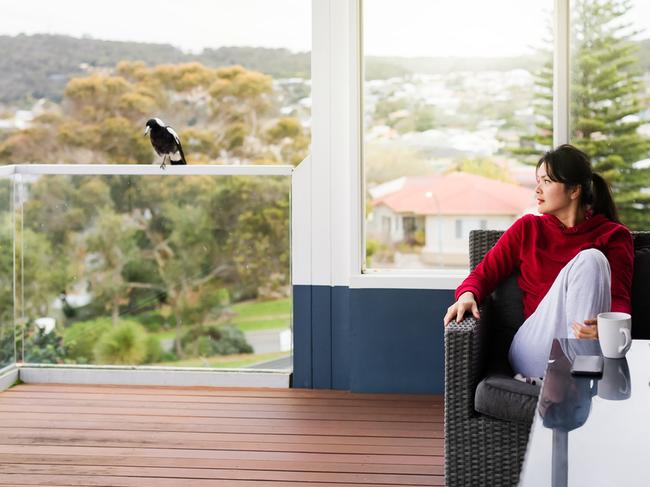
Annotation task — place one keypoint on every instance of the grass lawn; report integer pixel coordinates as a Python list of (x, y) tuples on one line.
[(263, 315), (226, 361), (253, 316), (253, 309)]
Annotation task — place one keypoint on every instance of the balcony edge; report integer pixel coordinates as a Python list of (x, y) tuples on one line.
[(8, 376), (151, 376)]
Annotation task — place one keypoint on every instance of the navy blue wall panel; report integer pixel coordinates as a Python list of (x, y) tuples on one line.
[(342, 339), (321, 334), (302, 337), (369, 340), (398, 340)]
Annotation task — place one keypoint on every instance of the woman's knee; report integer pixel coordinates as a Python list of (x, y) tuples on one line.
[(594, 260)]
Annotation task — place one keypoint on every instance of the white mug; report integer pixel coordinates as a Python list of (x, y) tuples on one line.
[(614, 334)]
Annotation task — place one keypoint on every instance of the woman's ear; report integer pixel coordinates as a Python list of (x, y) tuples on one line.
[(575, 192)]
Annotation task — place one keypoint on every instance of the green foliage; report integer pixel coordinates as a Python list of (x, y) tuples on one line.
[(606, 89), (108, 247), (153, 321), (7, 343), (125, 344), (154, 351), (372, 246), (215, 340), (250, 218), (81, 337), (41, 347), (41, 65), (36, 254), (101, 116)]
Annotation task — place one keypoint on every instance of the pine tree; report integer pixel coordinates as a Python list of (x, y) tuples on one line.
[(606, 96)]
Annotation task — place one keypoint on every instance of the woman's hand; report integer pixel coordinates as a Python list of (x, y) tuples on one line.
[(586, 330), (465, 303)]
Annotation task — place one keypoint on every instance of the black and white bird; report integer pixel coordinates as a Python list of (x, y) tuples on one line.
[(165, 142)]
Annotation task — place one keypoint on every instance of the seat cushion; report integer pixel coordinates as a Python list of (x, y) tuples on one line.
[(502, 397), (640, 293)]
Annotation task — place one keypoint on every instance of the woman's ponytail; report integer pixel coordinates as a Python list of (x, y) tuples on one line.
[(572, 167), (602, 201)]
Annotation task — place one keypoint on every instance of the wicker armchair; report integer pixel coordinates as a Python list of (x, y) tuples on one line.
[(488, 449)]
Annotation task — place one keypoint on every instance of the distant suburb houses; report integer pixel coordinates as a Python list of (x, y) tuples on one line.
[(439, 211)]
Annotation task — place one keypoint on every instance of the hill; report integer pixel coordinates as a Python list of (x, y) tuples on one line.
[(40, 65)]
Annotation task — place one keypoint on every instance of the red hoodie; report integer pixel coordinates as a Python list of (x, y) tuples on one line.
[(540, 246)]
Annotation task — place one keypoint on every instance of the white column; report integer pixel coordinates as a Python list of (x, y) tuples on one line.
[(335, 168), (561, 74)]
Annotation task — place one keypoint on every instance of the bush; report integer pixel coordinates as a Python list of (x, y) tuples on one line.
[(215, 340), (80, 338), (125, 344), (7, 340), (154, 350), (232, 341), (151, 320), (43, 348)]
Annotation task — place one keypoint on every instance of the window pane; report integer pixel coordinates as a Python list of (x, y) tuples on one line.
[(158, 270), (7, 341), (455, 106), (610, 119), (78, 80)]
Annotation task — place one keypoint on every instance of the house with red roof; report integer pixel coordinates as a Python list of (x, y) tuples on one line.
[(444, 208)]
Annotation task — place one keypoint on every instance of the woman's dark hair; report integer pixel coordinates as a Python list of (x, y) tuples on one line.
[(571, 166)]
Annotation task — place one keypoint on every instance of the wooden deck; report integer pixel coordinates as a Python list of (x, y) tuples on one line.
[(135, 436)]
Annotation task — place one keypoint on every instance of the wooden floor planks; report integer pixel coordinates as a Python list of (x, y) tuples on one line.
[(74, 435)]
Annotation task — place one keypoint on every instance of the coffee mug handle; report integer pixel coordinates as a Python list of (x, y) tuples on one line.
[(628, 341)]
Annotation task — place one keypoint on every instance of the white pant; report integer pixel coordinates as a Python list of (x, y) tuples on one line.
[(581, 290)]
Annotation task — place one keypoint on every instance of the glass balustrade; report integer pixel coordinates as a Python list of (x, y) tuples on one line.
[(184, 270)]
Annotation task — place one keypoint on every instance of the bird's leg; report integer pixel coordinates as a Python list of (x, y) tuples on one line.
[(162, 166)]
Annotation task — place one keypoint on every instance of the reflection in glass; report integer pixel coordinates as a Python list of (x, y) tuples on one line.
[(182, 270), (565, 400), (615, 384)]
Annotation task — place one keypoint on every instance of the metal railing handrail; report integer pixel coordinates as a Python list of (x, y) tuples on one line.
[(147, 170)]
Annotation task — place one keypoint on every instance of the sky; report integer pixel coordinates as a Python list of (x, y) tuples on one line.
[(391, 27), (189, 24)]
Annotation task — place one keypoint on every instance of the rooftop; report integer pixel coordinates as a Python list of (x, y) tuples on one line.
[(456, 193)]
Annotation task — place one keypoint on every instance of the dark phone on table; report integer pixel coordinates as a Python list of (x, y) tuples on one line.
[(587, 365)]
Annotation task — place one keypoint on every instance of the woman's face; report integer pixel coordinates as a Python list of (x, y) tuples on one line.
[(553, 197)]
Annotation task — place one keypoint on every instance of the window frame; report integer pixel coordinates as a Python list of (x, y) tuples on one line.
[(363, 277)]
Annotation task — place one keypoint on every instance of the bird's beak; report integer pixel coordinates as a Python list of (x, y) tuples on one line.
[(146, 130)]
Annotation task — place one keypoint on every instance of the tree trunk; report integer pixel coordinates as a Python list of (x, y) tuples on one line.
[(116, 313), (178, 336)]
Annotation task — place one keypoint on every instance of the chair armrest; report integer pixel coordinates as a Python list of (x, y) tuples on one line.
[(463, 366)]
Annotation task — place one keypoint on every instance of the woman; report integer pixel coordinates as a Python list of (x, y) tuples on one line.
[(575, 261)]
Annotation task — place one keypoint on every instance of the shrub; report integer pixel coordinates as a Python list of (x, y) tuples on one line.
[(43, 348), (152, 321), (154, 350), (232, 341), (215, 340), (80, 339), (126, 344), (7, 346)]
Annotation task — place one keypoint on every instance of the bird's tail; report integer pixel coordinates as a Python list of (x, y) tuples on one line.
[(181, 161)]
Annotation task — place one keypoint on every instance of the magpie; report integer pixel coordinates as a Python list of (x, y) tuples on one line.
[(165, 142)]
